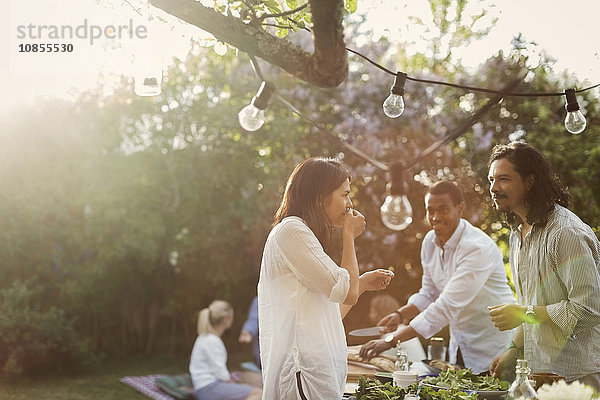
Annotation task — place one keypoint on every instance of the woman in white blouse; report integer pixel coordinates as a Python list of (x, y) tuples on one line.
[(302, 293), (208, 363)]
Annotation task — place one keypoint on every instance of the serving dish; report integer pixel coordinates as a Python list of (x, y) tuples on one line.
[(371, 331), (483, 394)]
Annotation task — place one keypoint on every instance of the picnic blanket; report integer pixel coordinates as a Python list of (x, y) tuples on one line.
[(161, 387)]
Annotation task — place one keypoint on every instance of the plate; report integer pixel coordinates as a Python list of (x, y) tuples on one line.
[(433, 369), (483, 394), (372, 331), (384, 377)]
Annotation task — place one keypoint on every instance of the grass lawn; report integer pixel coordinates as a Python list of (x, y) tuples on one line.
[(101, 383)]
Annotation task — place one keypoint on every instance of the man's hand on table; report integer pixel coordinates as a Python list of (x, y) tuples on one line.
[(373, 348), (504, 365)]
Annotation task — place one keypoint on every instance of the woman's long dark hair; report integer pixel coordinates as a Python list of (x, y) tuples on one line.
[(546, 190), (307, 188)]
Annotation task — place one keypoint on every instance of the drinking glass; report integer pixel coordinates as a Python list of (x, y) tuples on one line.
[(436, 349)]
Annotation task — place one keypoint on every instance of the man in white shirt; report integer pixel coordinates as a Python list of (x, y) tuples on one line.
[(463, 273)]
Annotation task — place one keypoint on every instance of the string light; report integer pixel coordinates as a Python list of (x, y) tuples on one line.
[(393, 106), (396, 211), (574, 121), (220, 48), (148, 60), (252, 117)]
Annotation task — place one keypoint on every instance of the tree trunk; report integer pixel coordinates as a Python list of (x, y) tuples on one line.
[(327, 67)]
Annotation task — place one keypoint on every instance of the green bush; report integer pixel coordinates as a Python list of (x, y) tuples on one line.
[(33, 337)]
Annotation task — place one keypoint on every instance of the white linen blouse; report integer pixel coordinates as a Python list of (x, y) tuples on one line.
[(300, 324), (208, 362)]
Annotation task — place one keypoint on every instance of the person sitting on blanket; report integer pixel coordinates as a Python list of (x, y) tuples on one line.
[(208, 363)]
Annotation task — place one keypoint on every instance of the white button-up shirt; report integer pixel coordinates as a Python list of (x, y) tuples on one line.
[(460, 279), (300, 324)]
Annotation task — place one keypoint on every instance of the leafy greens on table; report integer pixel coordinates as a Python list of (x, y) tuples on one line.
[(372, 389), (465, 379)]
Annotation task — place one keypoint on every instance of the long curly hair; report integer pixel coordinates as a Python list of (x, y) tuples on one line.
[(306, 191), (546, 190)]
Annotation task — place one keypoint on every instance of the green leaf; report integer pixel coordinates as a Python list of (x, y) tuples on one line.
[(351, 5), (273, 6), (292, 3)]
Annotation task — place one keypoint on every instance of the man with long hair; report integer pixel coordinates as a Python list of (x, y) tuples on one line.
[(555, 262)]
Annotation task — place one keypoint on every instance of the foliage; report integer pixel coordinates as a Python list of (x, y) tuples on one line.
[(373, 389), (465, 379), (279, 16), (34, 337)]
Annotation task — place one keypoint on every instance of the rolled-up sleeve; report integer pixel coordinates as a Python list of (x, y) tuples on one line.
[(471, 274), (306, 258), (572, 257)]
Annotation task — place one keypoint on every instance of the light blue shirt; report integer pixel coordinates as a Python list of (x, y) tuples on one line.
[(460, 279)]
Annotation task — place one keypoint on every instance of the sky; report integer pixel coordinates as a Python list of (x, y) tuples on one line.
[(567, 32)]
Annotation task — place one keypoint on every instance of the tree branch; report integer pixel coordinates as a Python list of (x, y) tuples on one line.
[(327, 67), (283, 14), (277, 26)]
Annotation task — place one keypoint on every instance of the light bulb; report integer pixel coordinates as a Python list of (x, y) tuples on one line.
[(574, 121), (148, 71), (220, 48), (396, 212), (251, 118), (393, 106)]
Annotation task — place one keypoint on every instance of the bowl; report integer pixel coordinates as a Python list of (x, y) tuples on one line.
[(404, 378), (482, 394), (384, 377), (541, 378)]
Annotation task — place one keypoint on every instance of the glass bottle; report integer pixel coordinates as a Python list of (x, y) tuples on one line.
[(401, 363), (521, 388)]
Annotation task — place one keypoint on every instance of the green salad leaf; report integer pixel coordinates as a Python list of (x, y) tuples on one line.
[(373, 389), (465, 379)]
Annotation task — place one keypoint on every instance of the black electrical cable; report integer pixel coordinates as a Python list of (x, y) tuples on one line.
[(472, 88)]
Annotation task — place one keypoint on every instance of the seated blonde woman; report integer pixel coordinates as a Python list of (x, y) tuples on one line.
[(208, 363)]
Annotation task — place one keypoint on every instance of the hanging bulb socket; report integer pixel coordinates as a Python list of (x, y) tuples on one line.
[(398, 181), (399, 81), (572, 104), (263, 96), (393, 105), (574, 121), (252, 117)]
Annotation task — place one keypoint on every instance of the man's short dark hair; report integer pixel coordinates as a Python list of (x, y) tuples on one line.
[(443, 187)]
